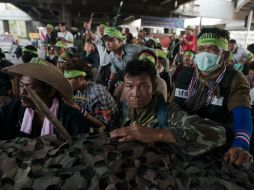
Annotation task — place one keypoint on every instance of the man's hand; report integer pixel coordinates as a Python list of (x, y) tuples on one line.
[(142, 134), (238, 156), (135, 133)]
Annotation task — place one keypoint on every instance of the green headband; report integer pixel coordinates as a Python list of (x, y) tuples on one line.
[(112, 32), (160, 53), (189, 53), (30, 51), (73, 73), (212, 39), (147, 57), (37, 60), (60, 44)]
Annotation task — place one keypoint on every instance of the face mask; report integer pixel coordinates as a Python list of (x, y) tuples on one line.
[(147, 38), (207, 62), (238, 67)]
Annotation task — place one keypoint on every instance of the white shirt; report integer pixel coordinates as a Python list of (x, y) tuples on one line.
[(240, 53), (67, 36), (105, 57)]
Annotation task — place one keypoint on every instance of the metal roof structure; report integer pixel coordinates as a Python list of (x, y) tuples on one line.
[(74, 12)]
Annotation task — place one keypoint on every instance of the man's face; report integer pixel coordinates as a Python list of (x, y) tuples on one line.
[(88, 47), (49, 30), (60, 50), (188, 60), (76, 82), (251, 75), (35, 85), (138, 90), (232, 47), (112, 43), (160, 62), (213, 49), (62, 28), (189, 32)]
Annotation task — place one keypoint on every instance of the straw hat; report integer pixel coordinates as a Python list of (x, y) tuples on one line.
[(46, 72)]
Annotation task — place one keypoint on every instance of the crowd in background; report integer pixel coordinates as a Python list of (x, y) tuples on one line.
[(129, 86)]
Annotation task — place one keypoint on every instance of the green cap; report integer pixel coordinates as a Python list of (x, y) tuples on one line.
[(160, 54), (190, 53), (50, 26), (149, 58), (60, 44), (113, 32)]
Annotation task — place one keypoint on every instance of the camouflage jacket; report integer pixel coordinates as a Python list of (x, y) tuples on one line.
[(194, 135)]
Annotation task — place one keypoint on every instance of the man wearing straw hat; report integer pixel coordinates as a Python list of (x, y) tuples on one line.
[(47, 81)]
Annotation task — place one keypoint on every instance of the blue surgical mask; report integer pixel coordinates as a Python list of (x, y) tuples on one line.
[(147, 38), (238, 67), (207, 62)]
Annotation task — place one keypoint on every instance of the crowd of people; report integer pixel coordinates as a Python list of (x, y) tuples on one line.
[(198, 94)]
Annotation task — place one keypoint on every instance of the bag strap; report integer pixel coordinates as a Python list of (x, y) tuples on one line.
[(162, 114)]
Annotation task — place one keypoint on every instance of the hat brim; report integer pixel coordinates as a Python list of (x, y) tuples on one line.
[(48, 74)]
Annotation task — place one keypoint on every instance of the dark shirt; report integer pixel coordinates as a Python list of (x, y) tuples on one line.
[(11, 117), (165, 76), (92, 58), (51, 40), (174, 48)]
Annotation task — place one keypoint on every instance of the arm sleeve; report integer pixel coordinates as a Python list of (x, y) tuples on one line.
[(242, 127), (194, 135), (113, 67), (70, 37), (97, 39), (239, 95)]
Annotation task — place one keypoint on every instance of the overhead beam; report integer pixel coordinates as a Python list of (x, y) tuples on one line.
[(241, 4), (35, 10), (165, 2)]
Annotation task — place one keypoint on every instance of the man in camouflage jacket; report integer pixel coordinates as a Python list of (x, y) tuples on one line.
[(149, 119)]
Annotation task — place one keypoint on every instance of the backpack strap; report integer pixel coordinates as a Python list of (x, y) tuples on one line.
[(162, 114), (1, 115)]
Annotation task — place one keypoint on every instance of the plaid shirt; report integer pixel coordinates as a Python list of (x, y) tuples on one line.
[(98, 102)]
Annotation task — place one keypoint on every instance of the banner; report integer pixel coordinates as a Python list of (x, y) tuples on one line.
[(162, 22)]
